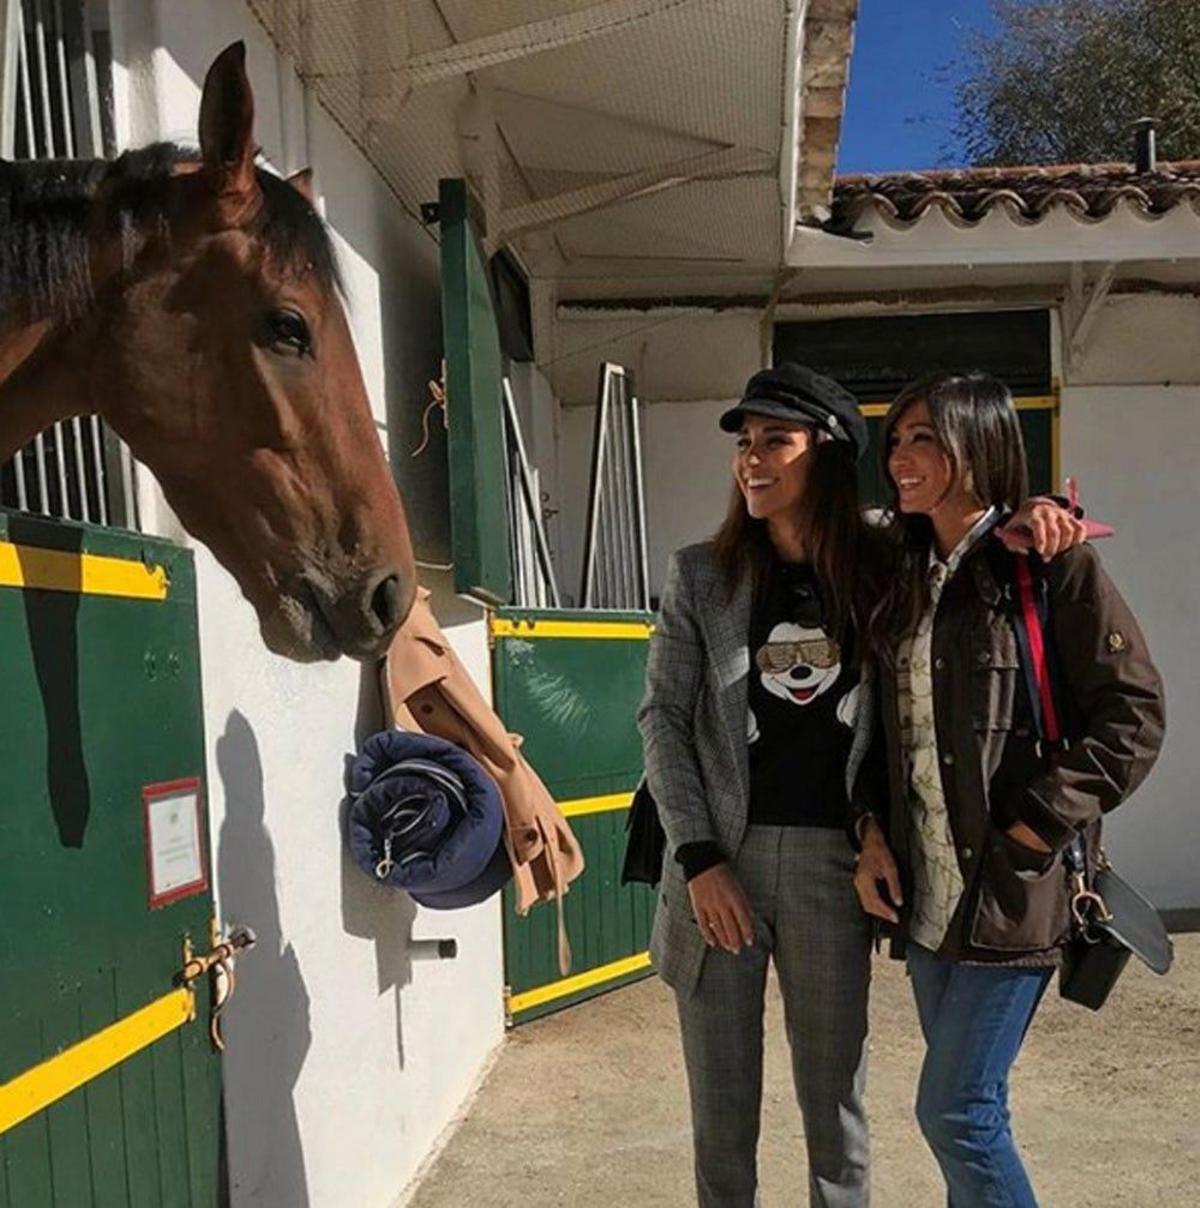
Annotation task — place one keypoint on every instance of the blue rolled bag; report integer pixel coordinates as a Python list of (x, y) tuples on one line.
[(425, 817), (427, 695)]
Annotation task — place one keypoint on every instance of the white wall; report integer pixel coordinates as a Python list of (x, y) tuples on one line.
[(1134, 445), (347, 1056), (1139, 339)]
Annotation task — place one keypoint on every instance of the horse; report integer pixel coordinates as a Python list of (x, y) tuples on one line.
[(192, 300)]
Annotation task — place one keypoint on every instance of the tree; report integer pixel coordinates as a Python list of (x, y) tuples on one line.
[(1062, 81)]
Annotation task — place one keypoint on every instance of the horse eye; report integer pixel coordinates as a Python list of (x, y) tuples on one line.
[(289, 331)]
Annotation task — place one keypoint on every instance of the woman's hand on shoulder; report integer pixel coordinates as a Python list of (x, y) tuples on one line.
[(722, 909), (876, 873), (1044, 524)]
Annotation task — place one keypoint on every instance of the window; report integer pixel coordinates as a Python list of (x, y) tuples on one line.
[(56, 103)]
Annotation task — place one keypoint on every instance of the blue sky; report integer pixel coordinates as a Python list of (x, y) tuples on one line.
[(900, 108)]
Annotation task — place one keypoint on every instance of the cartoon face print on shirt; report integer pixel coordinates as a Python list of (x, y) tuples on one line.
[(798, 663)]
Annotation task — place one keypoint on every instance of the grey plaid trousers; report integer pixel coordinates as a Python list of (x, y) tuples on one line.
[(808, 922), (693, 725)]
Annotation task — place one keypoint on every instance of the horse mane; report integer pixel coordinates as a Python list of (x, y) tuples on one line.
[(46, 225)]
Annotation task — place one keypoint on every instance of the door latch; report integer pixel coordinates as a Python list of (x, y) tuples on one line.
[(218, 963)]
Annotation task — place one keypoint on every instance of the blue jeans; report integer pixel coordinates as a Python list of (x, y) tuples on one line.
[(974, 1018)]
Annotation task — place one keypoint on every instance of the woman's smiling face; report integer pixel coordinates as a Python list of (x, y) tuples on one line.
[(918, 465), (771, 464)]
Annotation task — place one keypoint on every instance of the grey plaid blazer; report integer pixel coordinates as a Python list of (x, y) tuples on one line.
[(693, 721)]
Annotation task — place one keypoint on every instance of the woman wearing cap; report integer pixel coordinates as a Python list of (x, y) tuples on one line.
[(756, 723), (978, 812)]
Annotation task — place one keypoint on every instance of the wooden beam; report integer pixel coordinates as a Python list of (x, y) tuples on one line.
[(730, 161), (1083, 325), (595, 21)]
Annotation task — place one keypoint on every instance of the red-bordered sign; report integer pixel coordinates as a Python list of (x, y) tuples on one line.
[(173, 815)]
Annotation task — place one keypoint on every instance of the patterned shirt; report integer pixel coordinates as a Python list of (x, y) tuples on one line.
[(937, 879)]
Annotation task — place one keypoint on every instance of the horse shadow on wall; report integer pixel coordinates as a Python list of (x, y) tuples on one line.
[(268, 1028)]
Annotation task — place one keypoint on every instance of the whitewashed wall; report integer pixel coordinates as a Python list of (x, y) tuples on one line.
[(1131, 434), (347, 1057)]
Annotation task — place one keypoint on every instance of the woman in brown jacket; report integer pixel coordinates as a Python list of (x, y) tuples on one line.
[(967, 863)]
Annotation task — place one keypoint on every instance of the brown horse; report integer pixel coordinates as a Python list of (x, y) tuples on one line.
[(193, 302)]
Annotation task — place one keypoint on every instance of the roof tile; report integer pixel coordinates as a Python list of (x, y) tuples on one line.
[(966, 196)]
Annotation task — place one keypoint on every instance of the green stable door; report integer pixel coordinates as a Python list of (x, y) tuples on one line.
[(109, 1082), (568, 681)]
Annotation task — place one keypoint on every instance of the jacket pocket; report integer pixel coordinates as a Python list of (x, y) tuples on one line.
[(994, 678), (1022, 902)]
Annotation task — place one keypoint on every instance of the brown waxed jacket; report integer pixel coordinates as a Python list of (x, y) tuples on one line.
[(1015, 907)]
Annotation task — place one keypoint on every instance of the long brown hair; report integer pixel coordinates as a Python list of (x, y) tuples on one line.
[(978, 429), (835, 532)]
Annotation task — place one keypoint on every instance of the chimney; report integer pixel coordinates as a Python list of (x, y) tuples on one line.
[(1145, 156)]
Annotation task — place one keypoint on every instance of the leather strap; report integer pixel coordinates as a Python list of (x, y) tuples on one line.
[(1035, 665), (1032, 640)]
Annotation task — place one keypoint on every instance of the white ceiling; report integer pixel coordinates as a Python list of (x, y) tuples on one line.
[(612, 143)]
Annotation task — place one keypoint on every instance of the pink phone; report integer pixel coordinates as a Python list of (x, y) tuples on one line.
[(1021, 537)]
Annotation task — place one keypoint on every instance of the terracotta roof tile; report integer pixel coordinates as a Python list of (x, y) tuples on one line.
[(966, 196)]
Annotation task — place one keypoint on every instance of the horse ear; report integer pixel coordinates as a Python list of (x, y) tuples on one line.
[(302, 182), (227, 125)]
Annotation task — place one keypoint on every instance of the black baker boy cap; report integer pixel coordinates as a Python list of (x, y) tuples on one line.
[(797, 393)]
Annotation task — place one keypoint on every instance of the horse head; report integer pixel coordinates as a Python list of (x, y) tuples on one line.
[(223, 356)]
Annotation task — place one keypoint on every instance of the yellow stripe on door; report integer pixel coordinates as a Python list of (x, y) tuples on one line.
[(44, 1084), (33, 567), (581, 981), (1025, 402), (595, 805), (505, 627)]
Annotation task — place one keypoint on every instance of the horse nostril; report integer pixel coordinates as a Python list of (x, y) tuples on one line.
[(386, 602)]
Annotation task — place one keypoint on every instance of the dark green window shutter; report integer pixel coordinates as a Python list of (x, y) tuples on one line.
[(474, 408)]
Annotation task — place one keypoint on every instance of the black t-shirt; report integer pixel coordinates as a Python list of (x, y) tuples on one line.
[(803, 702)]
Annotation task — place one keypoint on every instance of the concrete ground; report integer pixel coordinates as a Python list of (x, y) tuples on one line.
[(588, 1107)]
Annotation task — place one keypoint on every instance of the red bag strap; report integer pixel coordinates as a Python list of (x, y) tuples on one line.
[(1037, 672)]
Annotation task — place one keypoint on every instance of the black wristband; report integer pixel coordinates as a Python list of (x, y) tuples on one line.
[(695, 858)]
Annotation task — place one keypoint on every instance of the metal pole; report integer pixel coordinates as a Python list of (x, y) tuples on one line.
[(532, 501), (39, 41), (24, 79), (64, 92), (593, 517), (620, 497), (639, 500), (39, 446), (19, 471), (98, 470)]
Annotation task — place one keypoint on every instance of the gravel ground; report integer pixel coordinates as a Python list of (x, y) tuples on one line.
[(588, 1107)]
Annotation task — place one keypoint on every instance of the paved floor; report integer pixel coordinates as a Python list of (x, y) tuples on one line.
[(587, 1107)]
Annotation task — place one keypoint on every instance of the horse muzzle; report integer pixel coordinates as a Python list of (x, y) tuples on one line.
[(312, 623)]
